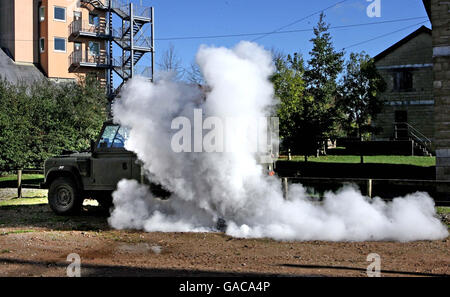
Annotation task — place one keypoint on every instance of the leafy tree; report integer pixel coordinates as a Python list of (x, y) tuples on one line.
[(324, 66), (359, 100), (289, 89), (44, 119), (359, 94)]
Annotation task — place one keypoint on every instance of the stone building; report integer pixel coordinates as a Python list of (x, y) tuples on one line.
[(407, 68), (439, 14)]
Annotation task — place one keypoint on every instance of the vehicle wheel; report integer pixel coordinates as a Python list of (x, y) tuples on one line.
[(64, 196)]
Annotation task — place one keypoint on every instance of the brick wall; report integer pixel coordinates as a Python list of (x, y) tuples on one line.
[(416, 55), (440, 18)]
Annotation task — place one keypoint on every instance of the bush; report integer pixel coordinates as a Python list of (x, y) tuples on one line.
[(43, 119)]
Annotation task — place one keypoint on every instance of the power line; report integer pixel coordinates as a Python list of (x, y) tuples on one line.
[(300, 20), (384, 35), (283, 32)]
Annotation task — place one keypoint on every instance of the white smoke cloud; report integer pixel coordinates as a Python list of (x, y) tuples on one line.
[(232, 186)]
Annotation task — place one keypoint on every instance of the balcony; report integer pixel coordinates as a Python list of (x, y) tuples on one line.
[(140, 13), (85, 29), (96, 4), (79, 59)]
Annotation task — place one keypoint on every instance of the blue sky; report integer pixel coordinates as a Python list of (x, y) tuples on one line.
[(182, 18)]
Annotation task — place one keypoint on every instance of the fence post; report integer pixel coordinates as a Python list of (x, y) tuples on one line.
[(369, 188), (285, 187), (19, 183)]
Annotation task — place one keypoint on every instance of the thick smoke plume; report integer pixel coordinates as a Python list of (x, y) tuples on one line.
[(232, 186)]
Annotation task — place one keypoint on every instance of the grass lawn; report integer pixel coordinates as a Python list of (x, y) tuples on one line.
[(443, 209), (24, 201), (10, 181), (404, 160), (24, 177)]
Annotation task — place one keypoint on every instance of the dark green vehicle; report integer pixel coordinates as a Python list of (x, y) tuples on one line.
[(73, 177)]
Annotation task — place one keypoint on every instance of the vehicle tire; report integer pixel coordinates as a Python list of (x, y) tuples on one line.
[(64, 196)]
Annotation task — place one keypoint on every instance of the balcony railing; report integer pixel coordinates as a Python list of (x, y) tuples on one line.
[(79, 59), (139, 11), (82, 27), (144, 71), (143, 42), (99, 4)]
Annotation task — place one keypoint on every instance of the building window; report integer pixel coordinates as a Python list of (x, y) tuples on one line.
[(94, 48), (41, 13), (403, 81), (93, 19), (42, 45), (60, 14), (60, 44)]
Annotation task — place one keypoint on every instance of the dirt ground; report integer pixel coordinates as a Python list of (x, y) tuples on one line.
[(35, 242)]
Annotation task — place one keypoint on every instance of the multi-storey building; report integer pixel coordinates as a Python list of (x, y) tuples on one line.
[(68, 39), (65, 38), (407, 68)]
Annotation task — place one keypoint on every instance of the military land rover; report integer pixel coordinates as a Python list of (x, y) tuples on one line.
[(73, 177)]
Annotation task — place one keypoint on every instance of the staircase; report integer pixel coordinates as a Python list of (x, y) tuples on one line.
[(134, 37), (422, 145), (96, 4)]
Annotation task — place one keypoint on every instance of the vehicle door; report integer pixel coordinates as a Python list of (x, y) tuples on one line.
[(111, 162)]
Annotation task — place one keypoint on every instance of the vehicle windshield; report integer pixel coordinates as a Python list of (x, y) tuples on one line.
[(114, 136)]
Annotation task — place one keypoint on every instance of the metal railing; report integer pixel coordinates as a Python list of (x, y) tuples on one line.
[(138, 10), (78, 26), (76, 58), (125, 71), (122, 5), (120, 68), (142, 11), (97, 3), (412, 133), (144, 71), (143, 41)]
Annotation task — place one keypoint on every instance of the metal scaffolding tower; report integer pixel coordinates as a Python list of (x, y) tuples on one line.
[(134, 37)]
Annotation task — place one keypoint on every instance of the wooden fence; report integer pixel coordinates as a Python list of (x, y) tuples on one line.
[(20, 183), (385, 188)]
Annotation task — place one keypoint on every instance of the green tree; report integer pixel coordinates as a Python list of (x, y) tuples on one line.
[(44, 119), (359, 94), (289, 89), (320, 113)]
